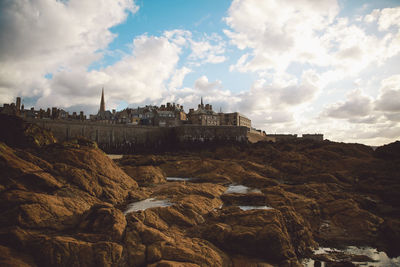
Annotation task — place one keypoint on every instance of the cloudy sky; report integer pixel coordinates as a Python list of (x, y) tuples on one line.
[(303, 66)]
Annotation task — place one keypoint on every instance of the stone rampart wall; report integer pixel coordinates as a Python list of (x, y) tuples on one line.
[(122, 138), (195, 133)]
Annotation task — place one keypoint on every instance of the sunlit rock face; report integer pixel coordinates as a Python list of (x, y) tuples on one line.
[(262, 204)]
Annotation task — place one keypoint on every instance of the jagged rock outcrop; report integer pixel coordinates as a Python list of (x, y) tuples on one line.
[(253, 233), (145, 175), (19, 133), (63, 204), (57, 203)]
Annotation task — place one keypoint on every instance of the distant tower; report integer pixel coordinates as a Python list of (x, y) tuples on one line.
[(102, 104), (18, 103), (202, 102)]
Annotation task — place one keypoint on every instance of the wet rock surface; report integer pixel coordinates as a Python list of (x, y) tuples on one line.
[(64, 204)]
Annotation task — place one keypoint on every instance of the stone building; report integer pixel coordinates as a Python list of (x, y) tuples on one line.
[(234, 119), (104, 116), (170, 115), (204, 115), (53, 113), (9, 109), (140, 115)]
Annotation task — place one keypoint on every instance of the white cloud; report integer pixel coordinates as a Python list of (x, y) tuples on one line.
[(298, 50), (203, 84), (389, 95), (212, 92), (279, 33), (388, 17), (210, 49), (356, 105), (178, 77), (281, 39), (280, 95), (39, 37), (362, 118), (179, 37), (373, 16), (65, 38), (137, 78)]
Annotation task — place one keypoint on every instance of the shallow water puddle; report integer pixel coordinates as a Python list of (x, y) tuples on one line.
[(146, 204), (178, 179), (114, 156), (255, 208), (241, 189), (379, 258)]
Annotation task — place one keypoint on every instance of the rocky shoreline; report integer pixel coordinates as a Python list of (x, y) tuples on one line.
[(63, 204)]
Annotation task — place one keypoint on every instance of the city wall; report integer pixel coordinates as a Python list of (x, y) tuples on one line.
[(123, 138), (195, 133)]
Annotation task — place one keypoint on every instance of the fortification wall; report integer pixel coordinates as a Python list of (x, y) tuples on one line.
[(122, 138), (110, 137), (195, 133)]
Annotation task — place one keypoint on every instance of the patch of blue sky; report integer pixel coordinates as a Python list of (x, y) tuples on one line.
[(122, 105), (156, 16), (233, 81), (353, 9), (29, 102), (110, 57)]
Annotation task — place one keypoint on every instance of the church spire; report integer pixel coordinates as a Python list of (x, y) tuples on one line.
[(202, 102), (102, 103)]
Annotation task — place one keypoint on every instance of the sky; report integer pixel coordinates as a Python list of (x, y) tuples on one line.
[(304, 66)]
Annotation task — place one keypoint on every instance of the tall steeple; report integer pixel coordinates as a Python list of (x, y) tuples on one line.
[(102, 103), (202, 102)]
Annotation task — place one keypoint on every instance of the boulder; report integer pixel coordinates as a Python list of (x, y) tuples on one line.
[(254, 233), (22, 134), (145, 175)]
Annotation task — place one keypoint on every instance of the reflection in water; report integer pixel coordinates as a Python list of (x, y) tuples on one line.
[(255, 208), (379, 257), (114, 156), (146, 204), (241, 189), (177, 179)]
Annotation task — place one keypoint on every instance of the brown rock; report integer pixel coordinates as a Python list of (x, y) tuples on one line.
[(62, 250), (251, 199), (92, 171), (68, 251), (145, 175), (240, 260), (255, 233), (357, 225), (188, 250), (148, 244), (38, 210), (105, 221), (19, 133), (12, 258), (164, 263)]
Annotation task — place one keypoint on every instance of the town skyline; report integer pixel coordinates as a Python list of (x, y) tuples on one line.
[(290, 67)]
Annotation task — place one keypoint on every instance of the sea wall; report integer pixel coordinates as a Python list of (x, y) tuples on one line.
[(123, 138), (196, 133), (112, 138)]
